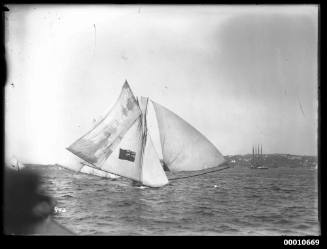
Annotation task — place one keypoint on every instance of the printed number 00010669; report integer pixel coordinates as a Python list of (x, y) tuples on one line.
[(301, 242)]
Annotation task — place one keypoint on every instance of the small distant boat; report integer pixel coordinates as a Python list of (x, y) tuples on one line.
[(16, 164), (257, 159)]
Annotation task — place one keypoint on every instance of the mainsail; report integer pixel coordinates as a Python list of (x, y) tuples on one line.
[(98, 144), (183, 147), (125, 160)]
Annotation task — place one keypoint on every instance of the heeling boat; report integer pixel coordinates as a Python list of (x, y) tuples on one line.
[(120, 144)]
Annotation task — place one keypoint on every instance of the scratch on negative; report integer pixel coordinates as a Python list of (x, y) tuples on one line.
[(95, 35), (301, 107)]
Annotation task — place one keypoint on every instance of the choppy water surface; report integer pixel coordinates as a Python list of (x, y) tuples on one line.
[(235, 201)]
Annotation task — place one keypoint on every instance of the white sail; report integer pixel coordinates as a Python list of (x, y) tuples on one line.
[(125, 160), (98, 144), (69, 161), (135, 157), (152, 172), (183, 147)]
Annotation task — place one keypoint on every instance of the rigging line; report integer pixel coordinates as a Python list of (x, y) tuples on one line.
[(183, 177)]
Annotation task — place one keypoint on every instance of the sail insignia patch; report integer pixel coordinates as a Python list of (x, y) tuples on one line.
[(127, 155)]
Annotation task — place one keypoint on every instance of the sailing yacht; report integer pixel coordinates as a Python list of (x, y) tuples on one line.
[(120, 144), (16, 164)]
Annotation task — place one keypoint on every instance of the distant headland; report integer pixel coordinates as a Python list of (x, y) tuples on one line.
[(275, 160), (268, 160)]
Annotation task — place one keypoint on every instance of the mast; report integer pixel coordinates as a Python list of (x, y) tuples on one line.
[(261, 155), (255, 156), (258, 156)]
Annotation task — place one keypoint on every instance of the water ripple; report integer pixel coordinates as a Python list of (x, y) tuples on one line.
[(238, 201)]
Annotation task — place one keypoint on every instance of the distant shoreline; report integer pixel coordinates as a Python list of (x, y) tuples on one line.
[(275, 160), (270, 160)]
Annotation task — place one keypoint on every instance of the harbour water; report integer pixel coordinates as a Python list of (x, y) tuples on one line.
[(235, 201)]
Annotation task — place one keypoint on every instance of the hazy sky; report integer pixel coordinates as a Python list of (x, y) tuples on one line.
[(242, 75)]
